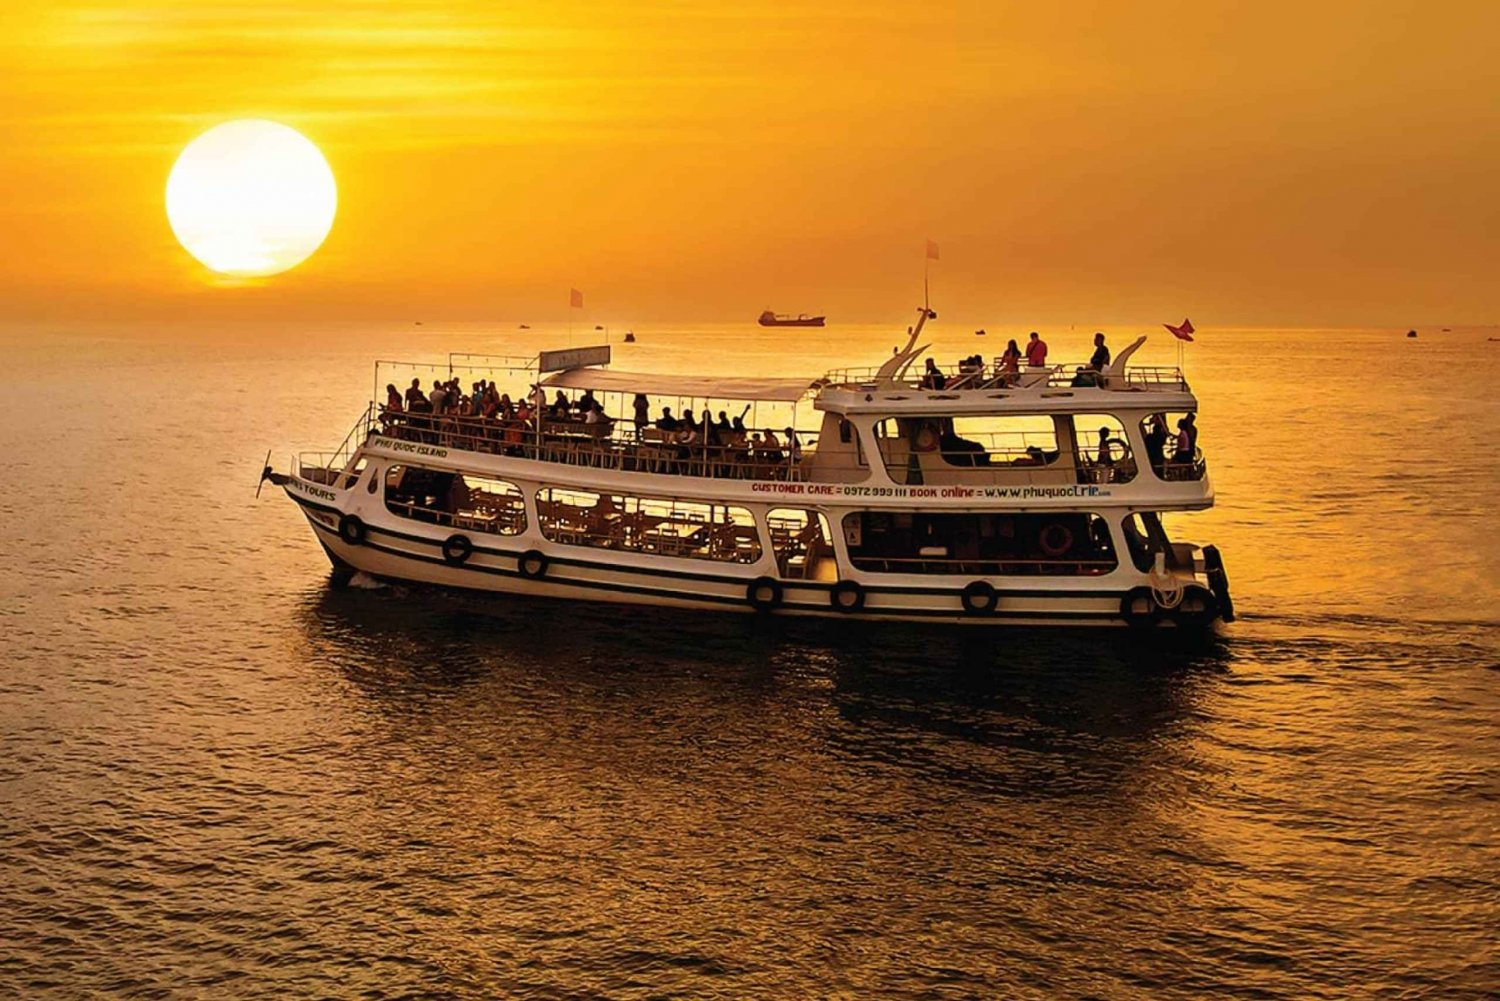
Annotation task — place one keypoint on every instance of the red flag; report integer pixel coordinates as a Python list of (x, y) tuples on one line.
[(575, 299), (932, 250), (1182, 333)]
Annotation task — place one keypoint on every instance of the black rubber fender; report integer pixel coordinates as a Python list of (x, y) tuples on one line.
[(979, 597), (764, 594), (1218, 581), (457, 549), (1139, 608), (847, 596), (532, 564), (352, 529), (1197, 610)]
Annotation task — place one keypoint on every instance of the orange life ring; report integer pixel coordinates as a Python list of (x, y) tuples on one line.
[(1055, 538)]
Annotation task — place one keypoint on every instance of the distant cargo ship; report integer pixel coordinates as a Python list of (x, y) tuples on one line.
[(770, 319)]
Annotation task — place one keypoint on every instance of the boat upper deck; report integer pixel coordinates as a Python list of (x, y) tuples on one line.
[(1061, 388), (971, 425)]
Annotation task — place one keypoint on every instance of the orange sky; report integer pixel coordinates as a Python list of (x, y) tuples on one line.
[(1317, 163)]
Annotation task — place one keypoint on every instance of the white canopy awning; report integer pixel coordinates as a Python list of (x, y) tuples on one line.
[(689, 386)]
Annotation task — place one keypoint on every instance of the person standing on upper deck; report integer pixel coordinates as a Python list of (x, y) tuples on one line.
[(1100, 360), (1036, 351), (416, 400), (1010, 363)]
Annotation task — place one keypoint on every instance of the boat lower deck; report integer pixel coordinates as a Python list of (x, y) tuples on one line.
[(531, 565)]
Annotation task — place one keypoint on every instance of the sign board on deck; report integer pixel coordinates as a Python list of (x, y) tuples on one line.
[(570, 358)]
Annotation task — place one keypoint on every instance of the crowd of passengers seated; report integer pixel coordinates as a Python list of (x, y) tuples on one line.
[(725, 445)]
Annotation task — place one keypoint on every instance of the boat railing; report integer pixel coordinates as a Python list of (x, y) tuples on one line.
[(326, 467), (993, 379), (615, 445)]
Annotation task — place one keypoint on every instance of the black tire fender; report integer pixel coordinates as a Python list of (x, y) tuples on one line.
[(979, 597), (1218, 581), (532, 564), (1139, 608), (457, 549), (1197, 610), (351, 529), (847, 596), (764, 594)]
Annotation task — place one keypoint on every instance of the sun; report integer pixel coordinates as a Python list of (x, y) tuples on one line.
[(251, 198)]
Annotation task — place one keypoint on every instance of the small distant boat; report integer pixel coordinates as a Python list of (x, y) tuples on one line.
[(525, 326), (1449, 330), (770, 319), (419, 323), (1411, 333), (629, 337), (979, 332)]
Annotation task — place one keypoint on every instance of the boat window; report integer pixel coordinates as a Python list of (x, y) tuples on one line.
[(1065, 544), (689, 529), (984, 441), (802, 543), (1161, 433), (459, 500), (352, 476)]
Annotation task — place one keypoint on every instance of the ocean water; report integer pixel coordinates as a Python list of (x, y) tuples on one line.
[(220, 778)]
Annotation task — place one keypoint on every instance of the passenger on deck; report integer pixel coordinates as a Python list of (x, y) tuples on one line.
[(458, 495), (933, 377), (958, 451), (1184, 453), (1100, 360), (666, 422), (1036, 351), (392, 398), (438, 397), (724, 428), (1010, 363), (686, 439), (416, 400), (585, 403), (770, 449), (642, 407), (793, 446), (560, 407), (1156, 440), (1106, 448), (1191, 420)]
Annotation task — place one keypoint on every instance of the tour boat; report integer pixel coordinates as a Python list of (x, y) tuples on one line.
[(973, 496), (770, 319)]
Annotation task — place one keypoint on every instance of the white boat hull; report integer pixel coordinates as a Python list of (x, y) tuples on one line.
[(401, 550)]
